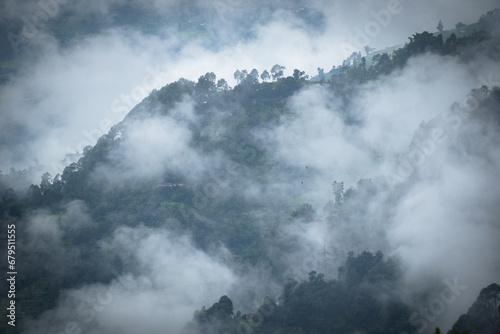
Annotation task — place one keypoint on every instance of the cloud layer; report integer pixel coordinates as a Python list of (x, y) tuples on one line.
[(168, 279)]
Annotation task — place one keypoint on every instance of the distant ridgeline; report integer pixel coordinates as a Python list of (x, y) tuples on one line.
[(357, 69)]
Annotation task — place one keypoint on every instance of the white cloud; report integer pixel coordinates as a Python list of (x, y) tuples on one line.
[(170, 278)]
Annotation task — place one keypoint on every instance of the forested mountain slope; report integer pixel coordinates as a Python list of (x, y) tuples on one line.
[(206, 191)]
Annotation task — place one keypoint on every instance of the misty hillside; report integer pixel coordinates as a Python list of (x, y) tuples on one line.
[(271, 200)]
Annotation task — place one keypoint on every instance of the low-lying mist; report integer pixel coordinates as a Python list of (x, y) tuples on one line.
[(406, 164)]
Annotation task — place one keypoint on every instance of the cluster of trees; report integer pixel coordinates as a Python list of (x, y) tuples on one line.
[(348, 304), (190, 209), (355, 70), (490, 21), (362, 299), (276, 73)]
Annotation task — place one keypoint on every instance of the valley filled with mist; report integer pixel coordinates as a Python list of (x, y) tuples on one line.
[(193, 167)]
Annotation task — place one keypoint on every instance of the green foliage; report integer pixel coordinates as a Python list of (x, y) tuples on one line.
[(347, 304), (221, 310), (277, 71), (217, 319), (174, 92), (332, 306), (354, 70), (220, 215), (344, 305), (490, 20)]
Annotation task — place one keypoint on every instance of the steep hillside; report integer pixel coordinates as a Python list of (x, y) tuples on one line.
[(313, 207)]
